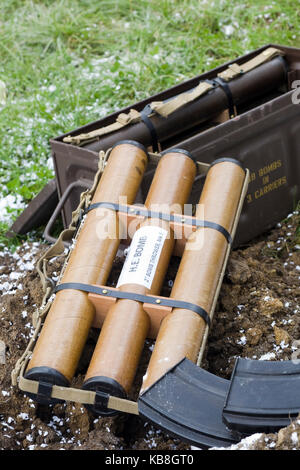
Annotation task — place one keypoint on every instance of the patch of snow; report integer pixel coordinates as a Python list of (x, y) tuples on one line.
[(267, 357), (245, 444), (228, 29), (9, 205), (24, 416), (294, 438), (242, 340)]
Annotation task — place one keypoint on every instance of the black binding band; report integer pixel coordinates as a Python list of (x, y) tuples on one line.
[(150, 299), (145, 113), (286, 68), (226, 88), (159, 215), (44, 389)]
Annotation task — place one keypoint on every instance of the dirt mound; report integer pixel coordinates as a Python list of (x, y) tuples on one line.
[(257, 317)]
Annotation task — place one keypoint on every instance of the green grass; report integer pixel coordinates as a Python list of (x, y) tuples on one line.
[(66, 63)]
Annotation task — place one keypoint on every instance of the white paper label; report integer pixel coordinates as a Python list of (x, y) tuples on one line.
[(144, 252)]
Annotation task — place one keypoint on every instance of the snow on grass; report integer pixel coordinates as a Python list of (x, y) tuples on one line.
[(10, 205)]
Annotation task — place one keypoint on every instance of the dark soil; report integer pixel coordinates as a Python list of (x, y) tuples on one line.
[(257, 316)]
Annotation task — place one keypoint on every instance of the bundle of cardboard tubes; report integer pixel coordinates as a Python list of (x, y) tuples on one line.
[(127, 324)]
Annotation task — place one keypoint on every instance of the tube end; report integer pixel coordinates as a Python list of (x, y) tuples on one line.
[(228, 159), (46, 376), (132, 142), (180, 151), (105, 386)]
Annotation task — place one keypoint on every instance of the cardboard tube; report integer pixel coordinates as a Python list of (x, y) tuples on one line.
[(182, 331), (64, 333), (117, 353)]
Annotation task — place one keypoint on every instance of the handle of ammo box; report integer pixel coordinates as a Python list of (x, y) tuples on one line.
[(47, 232)]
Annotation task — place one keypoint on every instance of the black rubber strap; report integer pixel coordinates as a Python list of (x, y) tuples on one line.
[(44, 389), (226, 88), (285, 66), (149, 299), (145, 113), (159, 215), (101, 400)]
